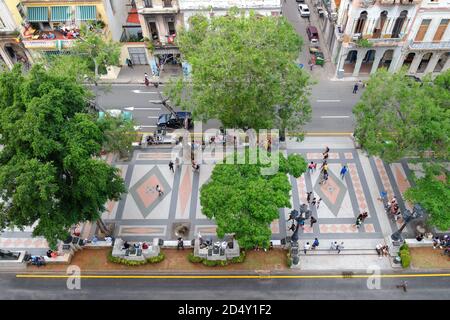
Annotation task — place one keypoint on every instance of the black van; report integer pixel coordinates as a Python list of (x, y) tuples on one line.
[(168, 120)]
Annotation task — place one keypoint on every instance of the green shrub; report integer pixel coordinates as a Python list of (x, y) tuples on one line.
[(160, 257), (215, 263), (239, 259), (132, 263), (405, 258), (194, 259), (289, 260), (404, 247)]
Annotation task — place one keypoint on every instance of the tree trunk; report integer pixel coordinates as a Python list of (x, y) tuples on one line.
[(96, 70), (102, 226)]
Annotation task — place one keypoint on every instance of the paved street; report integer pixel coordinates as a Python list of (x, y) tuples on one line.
[(433, 288), (332, 101)]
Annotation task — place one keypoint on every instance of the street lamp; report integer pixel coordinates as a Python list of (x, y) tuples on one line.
[(417, 212)]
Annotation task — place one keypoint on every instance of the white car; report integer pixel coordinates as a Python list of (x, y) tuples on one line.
[(304, 10)]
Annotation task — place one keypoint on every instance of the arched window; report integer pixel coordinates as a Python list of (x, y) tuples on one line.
[(380, 24), (399, 24), (361, 22)]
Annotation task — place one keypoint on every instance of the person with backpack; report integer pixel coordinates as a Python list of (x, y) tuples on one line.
[(315, 244)]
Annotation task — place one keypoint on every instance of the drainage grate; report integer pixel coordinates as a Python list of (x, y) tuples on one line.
[(347, 275)]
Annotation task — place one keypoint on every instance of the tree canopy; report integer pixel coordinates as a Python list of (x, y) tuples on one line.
[(244, 202), (398, 117), (50, 172), (93, 46), (432, 192), (243, 72)]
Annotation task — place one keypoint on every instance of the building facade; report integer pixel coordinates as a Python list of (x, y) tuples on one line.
[(365, 35), (11, 49), (427, 49), (50, 26), (189, 8)]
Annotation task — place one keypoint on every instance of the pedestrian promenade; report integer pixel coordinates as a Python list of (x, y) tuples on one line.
[(142, 214)]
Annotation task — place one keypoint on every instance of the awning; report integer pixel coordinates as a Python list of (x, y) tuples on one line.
[(85, 13), (37, 14), (133, 16), (60, 13)]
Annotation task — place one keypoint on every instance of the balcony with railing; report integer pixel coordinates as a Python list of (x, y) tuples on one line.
[(50, 40), (419, 45)]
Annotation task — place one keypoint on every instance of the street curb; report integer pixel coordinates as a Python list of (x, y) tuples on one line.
[(222, 273)]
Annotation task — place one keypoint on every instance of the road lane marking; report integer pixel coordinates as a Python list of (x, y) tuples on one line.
[(47, 276), (137, 109), (147, 126), (153, 117), (334, 117), (139, 91), (328, 100)]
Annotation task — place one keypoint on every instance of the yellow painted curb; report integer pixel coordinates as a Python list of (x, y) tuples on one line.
[(46, 276)]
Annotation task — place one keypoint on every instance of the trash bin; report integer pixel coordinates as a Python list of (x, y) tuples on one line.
[(340, 74)]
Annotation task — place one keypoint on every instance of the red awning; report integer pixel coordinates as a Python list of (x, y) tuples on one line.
[(133, 16)]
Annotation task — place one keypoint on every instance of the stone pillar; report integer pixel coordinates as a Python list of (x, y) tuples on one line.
[(446, 65), (162, 29), (376, 61), (144, 27), (415, 63), (6, 57), (432, 63), (359, 59), (400, 61), (395, 60)]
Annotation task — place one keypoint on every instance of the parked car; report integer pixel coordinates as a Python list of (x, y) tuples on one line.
[(168, 120), (304, 10), (312, 33)]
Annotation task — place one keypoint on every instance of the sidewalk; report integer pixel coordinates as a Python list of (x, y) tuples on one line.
[(135, 75)]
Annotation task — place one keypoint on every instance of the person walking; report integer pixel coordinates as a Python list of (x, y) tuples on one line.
[(340, 247), (364, 216), (306, 247), (311, 167), (334, 245), (358, 222), (355, 88), (160, 192), (308, 196), (315, 244), (318, 203), (180, 244), (312, 221), (292, 227), (343, 171), (313, 203), (403, 286), (171, 166)]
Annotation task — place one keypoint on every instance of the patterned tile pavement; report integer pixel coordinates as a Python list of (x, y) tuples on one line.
[(142, 215)]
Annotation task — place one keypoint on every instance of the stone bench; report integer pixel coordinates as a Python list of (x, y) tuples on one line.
[(413, 243), (174, 243), (61, 259), (98, 245)]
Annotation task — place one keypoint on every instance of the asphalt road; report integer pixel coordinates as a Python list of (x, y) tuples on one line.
[(332, 104), (332, 101), (434, 288)]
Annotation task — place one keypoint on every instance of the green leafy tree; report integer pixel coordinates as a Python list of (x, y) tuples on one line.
[(432, 192), (93, 46), (50, 172), (244, 202), (243, 72), (398, 116), (119, 135)]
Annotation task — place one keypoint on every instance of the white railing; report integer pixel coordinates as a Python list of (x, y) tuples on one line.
[(441, 45)]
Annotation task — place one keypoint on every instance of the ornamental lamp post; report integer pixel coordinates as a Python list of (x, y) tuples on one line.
[(407, 215)]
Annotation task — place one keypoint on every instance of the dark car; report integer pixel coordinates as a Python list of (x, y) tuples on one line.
[(168, 120)]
